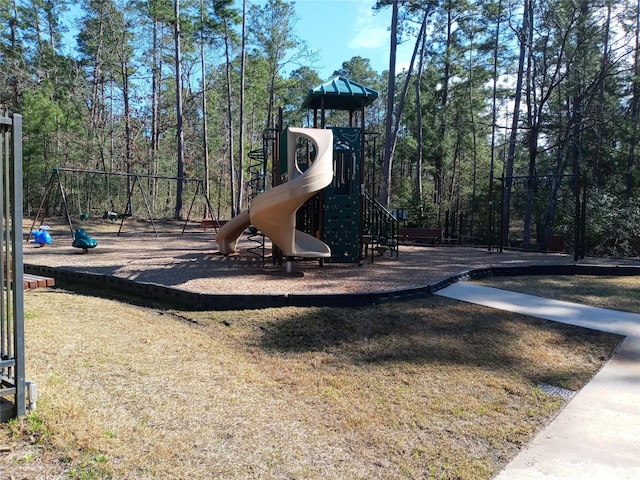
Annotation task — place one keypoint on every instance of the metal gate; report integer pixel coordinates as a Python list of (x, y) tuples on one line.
[(12, 370)]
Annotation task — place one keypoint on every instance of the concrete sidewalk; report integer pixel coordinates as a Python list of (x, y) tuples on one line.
[(597, 435)]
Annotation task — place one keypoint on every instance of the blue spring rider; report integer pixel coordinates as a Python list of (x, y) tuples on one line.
[(83, 241), (42, 237)]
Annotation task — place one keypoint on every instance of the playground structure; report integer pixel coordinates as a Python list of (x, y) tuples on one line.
[(274, 211), (318, 206), (325, 212)]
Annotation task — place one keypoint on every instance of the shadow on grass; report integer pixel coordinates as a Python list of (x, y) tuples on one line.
[(431, 331), (445, 332)]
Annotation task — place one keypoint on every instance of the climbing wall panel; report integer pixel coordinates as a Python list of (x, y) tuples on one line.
[(342, 227), (342, 198)]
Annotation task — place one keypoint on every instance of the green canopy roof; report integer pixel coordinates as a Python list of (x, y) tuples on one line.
[(340, 93)]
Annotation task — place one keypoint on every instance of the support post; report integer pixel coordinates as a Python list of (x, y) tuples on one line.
[(12, 364)]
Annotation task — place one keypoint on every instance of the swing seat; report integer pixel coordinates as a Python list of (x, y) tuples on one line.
[(113, 216), (83, 241)]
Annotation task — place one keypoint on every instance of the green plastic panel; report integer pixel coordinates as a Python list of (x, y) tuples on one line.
[(341, 228)]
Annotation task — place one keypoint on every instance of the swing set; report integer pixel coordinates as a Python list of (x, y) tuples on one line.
[(58, 184)]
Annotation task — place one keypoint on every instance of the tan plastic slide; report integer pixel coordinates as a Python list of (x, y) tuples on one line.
[(227, 236), (274, 211)]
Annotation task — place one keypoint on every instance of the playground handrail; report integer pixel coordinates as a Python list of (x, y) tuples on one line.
[(380, 223)]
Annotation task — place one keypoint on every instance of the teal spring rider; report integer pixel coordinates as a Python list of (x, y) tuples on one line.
[(83, 241)]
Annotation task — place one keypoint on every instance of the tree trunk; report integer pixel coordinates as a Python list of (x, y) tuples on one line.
[(127, 129), (232, 171), (513, 138), (576, 149), (395, 116), (241, 113), (532, 135), (604, 60), (556, 183), (438, 175), (179, 113), (385, 184), (422, 38), (494, 119), (51, 20), (205, 129), (472, 115), (14, 48), (155, 111), (95, 108), (454, 184), (635, 110)]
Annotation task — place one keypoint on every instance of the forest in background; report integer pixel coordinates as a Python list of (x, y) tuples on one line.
[(515, 122)]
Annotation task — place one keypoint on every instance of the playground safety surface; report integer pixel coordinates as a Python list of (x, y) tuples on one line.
[(191, 262)]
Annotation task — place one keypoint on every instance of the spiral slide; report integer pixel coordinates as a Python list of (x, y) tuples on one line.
[(227, 236), (274, 211)]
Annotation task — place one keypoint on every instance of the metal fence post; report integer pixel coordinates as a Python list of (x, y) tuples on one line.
[(12, 364)]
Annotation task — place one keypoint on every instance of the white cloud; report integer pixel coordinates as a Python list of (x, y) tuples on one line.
[(370, 29)]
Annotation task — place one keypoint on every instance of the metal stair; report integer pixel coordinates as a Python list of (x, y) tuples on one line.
[(380, 225)]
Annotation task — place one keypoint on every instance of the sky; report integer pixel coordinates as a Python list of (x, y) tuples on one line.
[(341, 29), (337, 30)]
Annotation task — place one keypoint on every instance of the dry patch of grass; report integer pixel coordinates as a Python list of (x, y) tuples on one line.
[(431, 388), (620, 293)]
